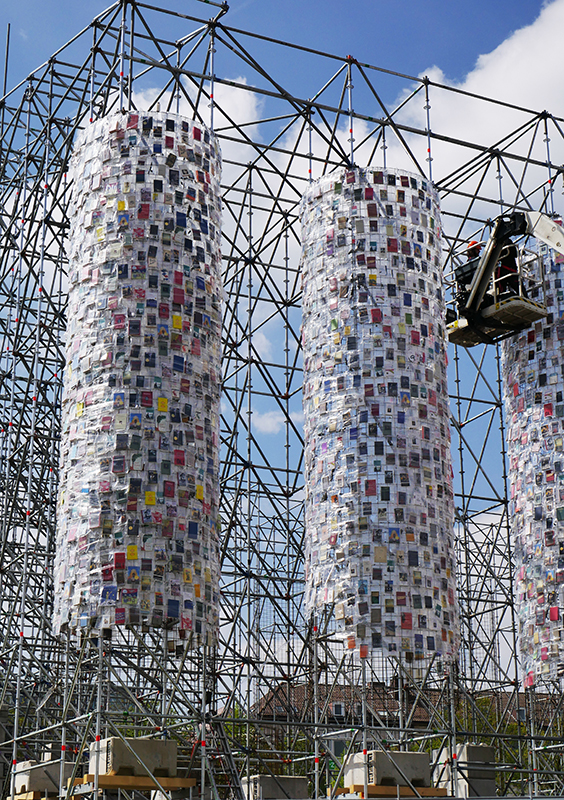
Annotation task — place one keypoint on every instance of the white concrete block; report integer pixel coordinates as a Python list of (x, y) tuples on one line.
[(472, 771), (383, 768), (264, 787), (159, 756), (42, 777)]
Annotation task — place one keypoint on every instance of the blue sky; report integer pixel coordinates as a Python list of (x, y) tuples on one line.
[(410, 36)]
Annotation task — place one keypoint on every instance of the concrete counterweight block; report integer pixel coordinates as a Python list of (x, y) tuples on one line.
[(473, 770), (265, 787), (385, 768), (32, 776), (158, 755)]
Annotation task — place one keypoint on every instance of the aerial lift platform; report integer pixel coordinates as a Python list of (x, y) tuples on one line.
[(492, 301)]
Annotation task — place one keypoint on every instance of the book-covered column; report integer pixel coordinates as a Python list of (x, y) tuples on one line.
[(379, 502), (533, 381), (138, 524)]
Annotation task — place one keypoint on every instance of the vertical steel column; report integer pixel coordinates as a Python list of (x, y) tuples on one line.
[(427, 108), (40, 324), (364, 729), (212, 75), (499, 177), (99, 695), (289, 644), (350, 87), (5, 438), (250, 266), (122, 29), (62, 786), (131, 49), (549, 168), (452, 735), (316, 707), (18, 324), (92, 73), (203, 726), (310, 143), (4, 83)]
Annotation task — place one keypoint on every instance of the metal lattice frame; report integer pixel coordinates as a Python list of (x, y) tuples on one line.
[(267, 701)]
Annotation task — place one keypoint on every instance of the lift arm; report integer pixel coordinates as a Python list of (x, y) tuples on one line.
[(517, 224), (504, 228), (546, 229)]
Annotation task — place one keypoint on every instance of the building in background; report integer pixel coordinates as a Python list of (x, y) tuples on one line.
[(379, 501)]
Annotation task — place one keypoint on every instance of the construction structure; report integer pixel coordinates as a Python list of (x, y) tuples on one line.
[(279, 695)]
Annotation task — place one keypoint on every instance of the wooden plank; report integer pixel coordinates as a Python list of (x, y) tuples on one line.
[(139, 782), (392, 791), (33, 795)]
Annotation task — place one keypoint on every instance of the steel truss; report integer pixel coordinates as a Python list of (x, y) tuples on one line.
[(279, 696)]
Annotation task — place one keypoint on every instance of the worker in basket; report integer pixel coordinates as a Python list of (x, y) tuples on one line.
[(507, 272), (465, 272), (473, 251)]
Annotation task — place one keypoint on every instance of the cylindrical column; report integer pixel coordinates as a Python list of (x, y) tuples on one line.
[(534, 409), (137, 531), (379, 501)]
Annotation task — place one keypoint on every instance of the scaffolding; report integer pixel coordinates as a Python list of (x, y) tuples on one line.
[(279, 696)]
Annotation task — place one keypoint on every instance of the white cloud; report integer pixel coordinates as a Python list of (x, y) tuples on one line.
[(297, 417), (239, 105), (262, 345), (524, 70), (269, 422)]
